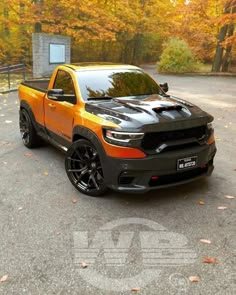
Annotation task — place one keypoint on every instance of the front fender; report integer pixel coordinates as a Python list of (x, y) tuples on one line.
[(86, 133)]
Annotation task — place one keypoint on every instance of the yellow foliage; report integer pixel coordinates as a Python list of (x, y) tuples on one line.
[(195, 21)]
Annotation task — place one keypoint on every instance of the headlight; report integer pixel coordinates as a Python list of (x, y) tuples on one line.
[(122, 137)]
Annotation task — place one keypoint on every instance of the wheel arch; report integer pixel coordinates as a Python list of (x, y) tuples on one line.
[(25, 105), (81, 132)]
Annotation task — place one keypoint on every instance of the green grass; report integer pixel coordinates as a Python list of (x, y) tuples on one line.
[(204, 68)]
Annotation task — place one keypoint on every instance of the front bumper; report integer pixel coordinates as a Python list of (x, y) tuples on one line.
[(157, 171)]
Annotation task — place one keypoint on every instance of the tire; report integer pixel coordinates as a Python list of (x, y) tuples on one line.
[(84, 169), (28, 133)]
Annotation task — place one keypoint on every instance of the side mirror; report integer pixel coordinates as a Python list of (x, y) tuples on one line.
[(55, 94), (58, 95), (164, 87)]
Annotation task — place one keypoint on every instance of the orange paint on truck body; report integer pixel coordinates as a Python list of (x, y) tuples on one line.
[(61, 117)]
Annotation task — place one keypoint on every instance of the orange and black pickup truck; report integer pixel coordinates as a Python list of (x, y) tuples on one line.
[(118, 127)]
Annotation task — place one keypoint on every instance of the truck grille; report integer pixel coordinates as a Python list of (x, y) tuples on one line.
[(153, 140)]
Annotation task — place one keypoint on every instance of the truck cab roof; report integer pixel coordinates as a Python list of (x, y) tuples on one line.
[(83, 66)]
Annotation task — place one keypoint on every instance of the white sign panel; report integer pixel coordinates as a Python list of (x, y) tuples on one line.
[(57, 53)]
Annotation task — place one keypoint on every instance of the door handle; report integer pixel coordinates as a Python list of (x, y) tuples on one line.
[(52, 106)]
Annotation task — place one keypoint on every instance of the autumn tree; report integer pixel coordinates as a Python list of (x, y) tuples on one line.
[(146, 18), (10, 31), (122, 25), (118, 30), (193, 22), (226, 37)]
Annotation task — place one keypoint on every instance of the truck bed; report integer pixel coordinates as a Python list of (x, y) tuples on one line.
[(41, 85)]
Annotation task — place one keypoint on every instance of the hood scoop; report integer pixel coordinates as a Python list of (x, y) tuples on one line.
[(173, 112), (159, 110)]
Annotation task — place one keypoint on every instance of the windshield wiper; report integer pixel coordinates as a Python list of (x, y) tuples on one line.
[(100, 98)]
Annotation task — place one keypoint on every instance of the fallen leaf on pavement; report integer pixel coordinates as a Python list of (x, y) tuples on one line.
[(74, 201), (221, 207), (2, 143), (205, 241), (210, 260), (201, 203), (29, 155), (4, 278), (46, 173), (135, 289), (194, 279), (84, 265), (229, 197)]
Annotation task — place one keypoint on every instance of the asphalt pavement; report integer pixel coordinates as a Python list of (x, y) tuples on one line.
[(54, 240)]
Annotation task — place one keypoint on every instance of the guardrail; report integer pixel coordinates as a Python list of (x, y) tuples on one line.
[(8, 71)]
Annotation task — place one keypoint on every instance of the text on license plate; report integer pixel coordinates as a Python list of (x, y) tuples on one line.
[(186, 163)]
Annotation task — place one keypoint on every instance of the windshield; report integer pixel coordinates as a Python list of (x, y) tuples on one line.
[(116, 83)]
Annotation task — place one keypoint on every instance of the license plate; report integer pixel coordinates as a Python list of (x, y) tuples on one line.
[(187, 163)]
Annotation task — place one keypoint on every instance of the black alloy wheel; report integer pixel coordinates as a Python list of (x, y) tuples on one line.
[(28, 134), (84, 169)]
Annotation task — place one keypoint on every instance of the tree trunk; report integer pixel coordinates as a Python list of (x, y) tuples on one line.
[(220, 62), (217, 62), (6, 16), (37, 28), (137, 49), (218, 58), (226, 59), (38, 25)]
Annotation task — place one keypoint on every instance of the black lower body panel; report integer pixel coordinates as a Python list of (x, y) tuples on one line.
[(157, 171)]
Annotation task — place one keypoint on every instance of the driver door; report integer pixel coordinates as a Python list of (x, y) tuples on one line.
[(59, 115)]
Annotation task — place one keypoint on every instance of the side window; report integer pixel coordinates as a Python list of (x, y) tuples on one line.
[(64, 81)]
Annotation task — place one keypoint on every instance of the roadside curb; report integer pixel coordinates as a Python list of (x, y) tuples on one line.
[(214, 74), (8, 91), (210, 74)]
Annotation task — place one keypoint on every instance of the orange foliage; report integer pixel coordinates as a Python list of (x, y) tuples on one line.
[(120, 21)]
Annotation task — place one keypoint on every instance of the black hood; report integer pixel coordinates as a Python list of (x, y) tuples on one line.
[(149, 113)]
